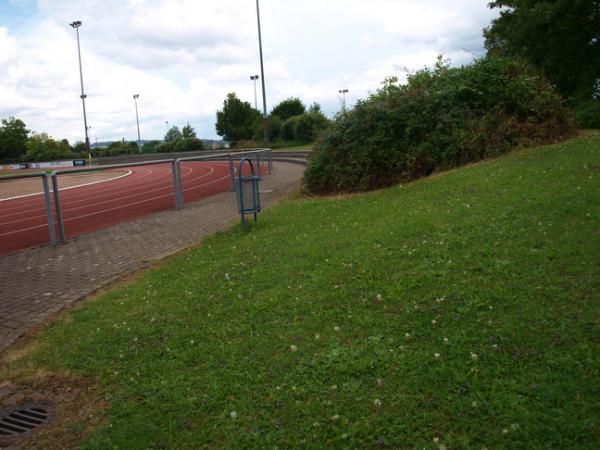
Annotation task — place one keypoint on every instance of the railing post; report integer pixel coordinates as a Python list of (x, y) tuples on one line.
[(48, 203), (258, 162), (59, 216), (270, 163), (231, 172), (177, 191), (180, 184)]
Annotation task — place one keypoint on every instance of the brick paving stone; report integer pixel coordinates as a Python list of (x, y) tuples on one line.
[(38, 282)]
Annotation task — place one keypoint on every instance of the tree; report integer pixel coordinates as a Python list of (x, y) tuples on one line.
[(150, 146), (289, 107), (237, 120), (188, 132), (189, 145), (561, 37), (41, 147), (173, 135), (314, 108), (80, 147), (13, 139), (116, 148)]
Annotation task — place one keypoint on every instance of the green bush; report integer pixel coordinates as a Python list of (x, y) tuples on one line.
[(309, 126), (588, 114), (191, 144), (288, 130), (304, 128), (275, 126), (151, 146), (443, 117)]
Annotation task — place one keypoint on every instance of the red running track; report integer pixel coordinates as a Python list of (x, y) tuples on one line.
[(85, 209)]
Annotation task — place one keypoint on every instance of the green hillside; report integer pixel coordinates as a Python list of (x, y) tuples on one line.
[(458, 311)]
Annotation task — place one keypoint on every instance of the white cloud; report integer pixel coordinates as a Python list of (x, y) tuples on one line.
[(184, 56)]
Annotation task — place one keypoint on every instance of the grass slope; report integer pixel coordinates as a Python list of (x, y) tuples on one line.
[(458, 311)]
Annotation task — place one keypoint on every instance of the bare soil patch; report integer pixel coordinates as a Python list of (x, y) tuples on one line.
[(75, 409)]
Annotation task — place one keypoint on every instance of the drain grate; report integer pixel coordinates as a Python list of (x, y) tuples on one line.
[(20, 421)]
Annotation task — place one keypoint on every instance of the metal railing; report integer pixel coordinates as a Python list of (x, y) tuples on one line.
[(175, 169), (47, 200), (56, 189), (231, 157)]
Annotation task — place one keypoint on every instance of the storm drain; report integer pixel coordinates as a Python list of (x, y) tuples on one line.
[(20, 421)]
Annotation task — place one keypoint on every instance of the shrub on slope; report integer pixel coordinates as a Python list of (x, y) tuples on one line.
[(442, 118)]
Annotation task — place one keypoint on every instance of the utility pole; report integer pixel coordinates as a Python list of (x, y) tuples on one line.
[(262, 74), (76, 24)]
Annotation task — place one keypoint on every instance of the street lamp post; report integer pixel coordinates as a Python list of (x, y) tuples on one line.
[(262, 74), (343, 92), (76, 24), (254, 78), (137, 119)]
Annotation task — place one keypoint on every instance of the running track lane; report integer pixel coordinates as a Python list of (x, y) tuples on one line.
[(147, 190)]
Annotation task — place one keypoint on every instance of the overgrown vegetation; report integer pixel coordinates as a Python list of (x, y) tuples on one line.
[(561, 38), (456, 311), (442, 118)]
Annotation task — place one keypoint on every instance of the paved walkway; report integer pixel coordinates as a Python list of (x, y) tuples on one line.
[(36, 283)]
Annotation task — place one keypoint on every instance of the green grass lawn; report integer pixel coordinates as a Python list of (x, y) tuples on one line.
[(458, 311)]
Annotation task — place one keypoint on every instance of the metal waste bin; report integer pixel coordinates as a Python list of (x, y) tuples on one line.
[(248, 197)]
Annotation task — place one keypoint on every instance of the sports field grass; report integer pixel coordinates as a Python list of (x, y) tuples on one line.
[(458, 311)]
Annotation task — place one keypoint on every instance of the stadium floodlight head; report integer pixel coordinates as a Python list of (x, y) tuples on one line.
[(76, 24), (343, 91), (254, 77), (136, 96)]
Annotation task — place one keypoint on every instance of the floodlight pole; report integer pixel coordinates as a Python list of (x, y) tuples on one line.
[(137, 119), (76, 24), (262, 74), (254, 78), (343, 92)]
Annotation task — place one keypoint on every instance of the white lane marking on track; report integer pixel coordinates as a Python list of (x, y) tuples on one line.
[(19, 207), (145, 192), (105, 192), (112, 209), (129, 172), (134, 186), (148, 171), (23, 219)]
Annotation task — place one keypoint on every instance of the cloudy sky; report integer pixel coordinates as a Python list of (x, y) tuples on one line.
[(184, 56)]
